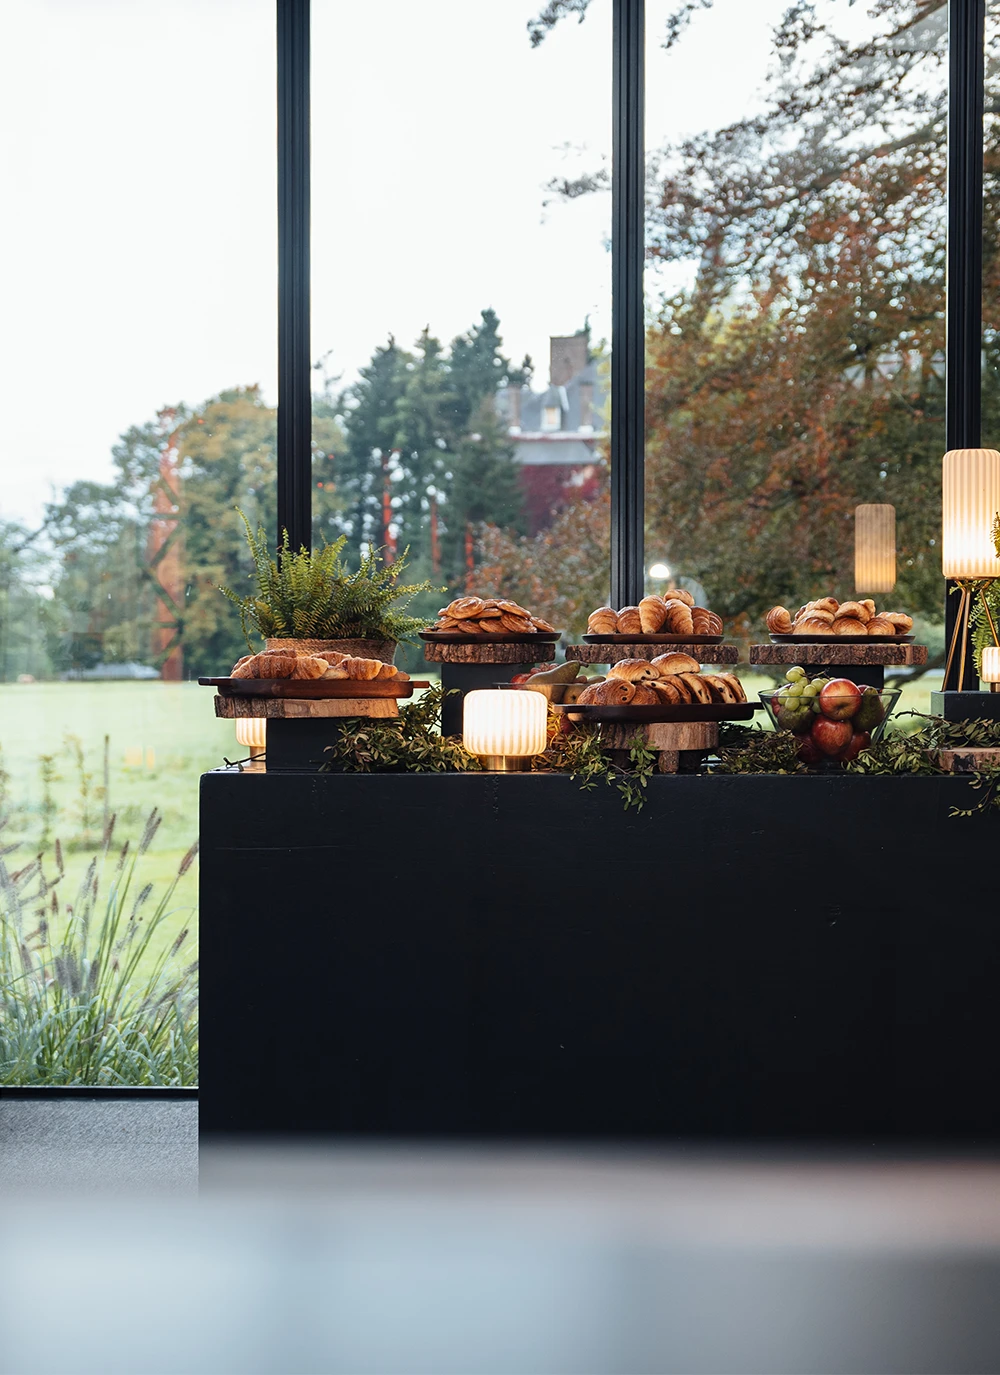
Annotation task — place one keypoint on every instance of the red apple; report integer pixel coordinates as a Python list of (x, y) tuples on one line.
[(839, 699), (831, 736), (809, 751), (859, 741), (520, 677)]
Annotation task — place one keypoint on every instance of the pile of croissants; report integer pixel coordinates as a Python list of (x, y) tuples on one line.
[(672, 614), (488, 616), (329, 663), (669, 679), (830, 617)]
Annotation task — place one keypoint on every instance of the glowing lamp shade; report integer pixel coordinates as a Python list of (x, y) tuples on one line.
[(251, 733), (970, 494), (990, 670), (874, 548), (504, 728)]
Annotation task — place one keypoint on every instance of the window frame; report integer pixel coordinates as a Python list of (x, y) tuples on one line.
[(963, 288)]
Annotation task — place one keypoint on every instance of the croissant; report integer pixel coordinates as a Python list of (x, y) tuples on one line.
[(814, 625), (678, 619), (666, 664), (335, 671), (309, 666), (491, 625), (880, 625), (632, 669), (721, 691), (516, 625), (858, 610), (778, 621), (827, 604), (867, 602), (613, 692), (903, 624), (697, 687), (603, 621), (706, 622), (652, 614), (489, 613), (849, 625), (667, 691), (332, 656), (629, 621), (677, 594), (815, 613), (513, 609), (734, 684), (361, 669), (276, 664), (644, 696), (387, 671)]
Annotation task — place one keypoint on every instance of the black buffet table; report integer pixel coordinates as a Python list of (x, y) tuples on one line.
[(802, 958)]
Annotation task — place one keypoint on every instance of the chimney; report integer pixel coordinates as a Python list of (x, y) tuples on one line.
[(567, 357)]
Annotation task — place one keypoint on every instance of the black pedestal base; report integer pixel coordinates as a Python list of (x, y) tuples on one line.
[(487, 955), (298, 745), (966, 706)]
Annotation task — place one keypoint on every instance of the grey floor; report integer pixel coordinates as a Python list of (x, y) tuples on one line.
[(74, 1144)]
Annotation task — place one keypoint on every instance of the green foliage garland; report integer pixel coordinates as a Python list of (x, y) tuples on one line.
[(313, 594), (748, 749), (581, 756), (409, 743)]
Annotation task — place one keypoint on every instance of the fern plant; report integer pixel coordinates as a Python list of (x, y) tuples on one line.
[(313, 595)]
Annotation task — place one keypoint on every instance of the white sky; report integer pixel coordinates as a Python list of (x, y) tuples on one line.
[(137, 157)]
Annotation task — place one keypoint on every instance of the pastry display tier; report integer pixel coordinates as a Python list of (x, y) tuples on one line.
[(696, 712), (842, 639), (313, 708), (835, 651), (653, 639), (639, 649), (313, 688), (490, 649)]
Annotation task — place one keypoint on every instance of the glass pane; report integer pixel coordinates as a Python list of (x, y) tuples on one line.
[(461, 297), (139, 327), (795, 295)]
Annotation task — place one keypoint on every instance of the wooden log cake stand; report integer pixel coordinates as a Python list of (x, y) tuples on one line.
[(299, 729), (613, 654), (861, 663), (466, 667), (681, 746)]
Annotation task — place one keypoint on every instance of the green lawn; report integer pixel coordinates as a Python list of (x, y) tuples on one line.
[(161, 737)]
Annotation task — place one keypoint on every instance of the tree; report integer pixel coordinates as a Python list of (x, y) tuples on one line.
[(425, 454), (801, 373), (25, 609)]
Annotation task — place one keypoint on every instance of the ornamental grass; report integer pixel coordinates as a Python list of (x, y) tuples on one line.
[(80, 1002)]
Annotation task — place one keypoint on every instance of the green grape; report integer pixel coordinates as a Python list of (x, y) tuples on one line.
[(796, 689), (794, 674)]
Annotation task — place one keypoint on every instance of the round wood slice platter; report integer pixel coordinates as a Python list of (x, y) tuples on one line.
[(716, 711), (838, 649), (842, 639), (435, 637), (318, 688), (652, 639)]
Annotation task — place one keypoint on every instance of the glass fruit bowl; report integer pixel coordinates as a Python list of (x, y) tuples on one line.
[(833, 718)]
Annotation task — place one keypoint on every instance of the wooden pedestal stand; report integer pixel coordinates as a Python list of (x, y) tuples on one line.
[(613, 654), (466, 667), (865, 664), (299, 729), (681, 746)]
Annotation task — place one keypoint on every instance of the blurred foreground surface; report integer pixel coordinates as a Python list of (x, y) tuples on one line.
[(444, 1260)]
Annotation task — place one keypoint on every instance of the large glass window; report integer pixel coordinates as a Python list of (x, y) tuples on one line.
[(795, 293), (461, 293), (138, 367)]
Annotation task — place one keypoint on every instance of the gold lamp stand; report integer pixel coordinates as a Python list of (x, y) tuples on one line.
[(970, 588)]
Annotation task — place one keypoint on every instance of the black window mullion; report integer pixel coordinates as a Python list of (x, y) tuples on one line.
[(964, 283), (627, 304), (294, 345)]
